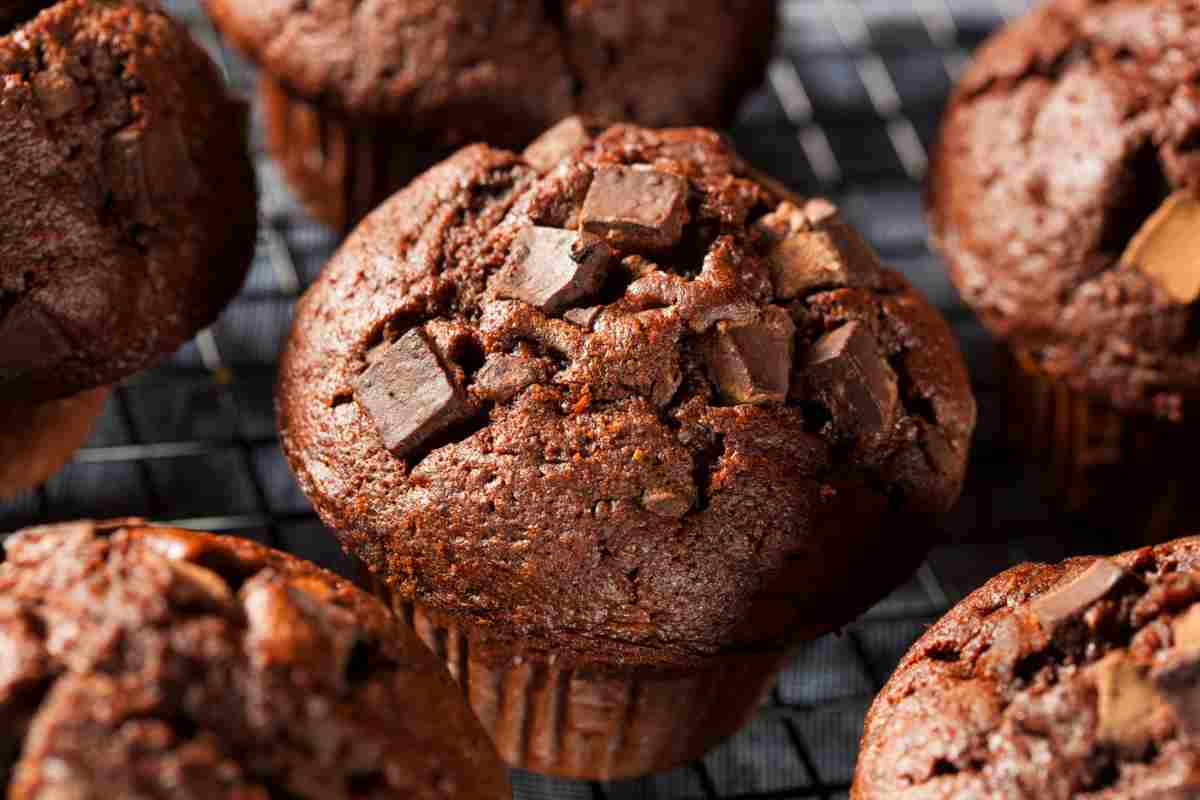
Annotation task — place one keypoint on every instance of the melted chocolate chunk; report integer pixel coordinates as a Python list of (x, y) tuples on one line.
[(409, 394), (567, 137), (503, 377), (636, 209), (752, 363), (1068, 602), (554, 268), (584, 317), (811, 248), (846, 373), (1127, 703), (1167, 248)]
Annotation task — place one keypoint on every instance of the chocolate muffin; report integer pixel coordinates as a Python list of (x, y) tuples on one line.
[(1071, 680), (129, 207), (616, 432), (153, 662), (1064, 197), (359, 98)]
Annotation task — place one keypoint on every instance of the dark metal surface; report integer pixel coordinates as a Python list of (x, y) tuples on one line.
[(850, 111)]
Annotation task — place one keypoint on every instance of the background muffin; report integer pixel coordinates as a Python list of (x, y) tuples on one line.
[(159, 662), (626, 427), (1072, 128), (1073, 680), (129, 203), (361, 97)]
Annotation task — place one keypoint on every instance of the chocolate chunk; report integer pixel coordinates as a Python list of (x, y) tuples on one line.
[(504, 376), (1186, 629), (752, 363), (1128, 706), (1167, 248), (666, 503), (554, 268), (564, 139), (803, 258), (584, 317), (195, 585), (1178, 682), (1068, 602), (57, 94), (29, 339), (409, 394), (847, 374), (636, 208)]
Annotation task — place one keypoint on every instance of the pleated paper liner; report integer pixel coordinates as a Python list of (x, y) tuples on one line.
[(596, 723), (340, 168), (1128, 473)]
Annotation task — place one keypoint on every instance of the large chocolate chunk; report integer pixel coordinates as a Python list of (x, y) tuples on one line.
[(29, 340), (1068, 602), (847, 374), (564, 139), (752, 362), (636, 209), (410, 395), (1167, 248), (812, 248), (1128, 706), (553, 268)]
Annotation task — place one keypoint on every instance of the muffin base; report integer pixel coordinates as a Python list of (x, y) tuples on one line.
[(1124, 472), (36, 441), (341, 168), (597, 722)]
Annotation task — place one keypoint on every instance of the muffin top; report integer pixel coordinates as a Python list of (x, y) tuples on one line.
[(502, 72), (1072, 680), (636, 402), (1069, 133), (154, 662), (129, 201)]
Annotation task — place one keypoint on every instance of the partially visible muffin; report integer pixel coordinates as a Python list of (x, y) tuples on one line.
[(129, 205), (155, 662), (1073, 680), (1065, 196), (630, 425), (360, 98)]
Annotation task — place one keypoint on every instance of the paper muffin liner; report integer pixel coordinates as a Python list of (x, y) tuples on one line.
[(1124, 472), (37, 441), (340, 167), (602, 722)]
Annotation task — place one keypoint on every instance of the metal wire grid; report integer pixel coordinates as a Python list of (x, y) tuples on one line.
[(850, 108)]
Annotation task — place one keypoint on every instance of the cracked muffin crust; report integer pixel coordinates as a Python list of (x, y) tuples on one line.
[(1069, 130), (642, 405), (1072, 680), (362, 96), (129, 203), (154, 662)]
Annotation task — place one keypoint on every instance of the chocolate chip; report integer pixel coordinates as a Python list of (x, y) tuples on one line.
[(636, 208), (666, 503), (1128, 706), (584, 317), (409, 394), (1166, 246), (847, 374), (1068, 602), (803, 257), (553, 268), (57, 94), (31, 339), (564, 139), (504, 376), (752, 363)]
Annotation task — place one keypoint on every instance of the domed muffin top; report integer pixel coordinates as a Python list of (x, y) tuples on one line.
[(1064, 195), (1073, 680), (129, 199), (153, 662), (483, 70), (622, 394)]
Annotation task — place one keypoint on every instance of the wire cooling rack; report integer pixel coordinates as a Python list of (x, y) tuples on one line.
[(849, 111)]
